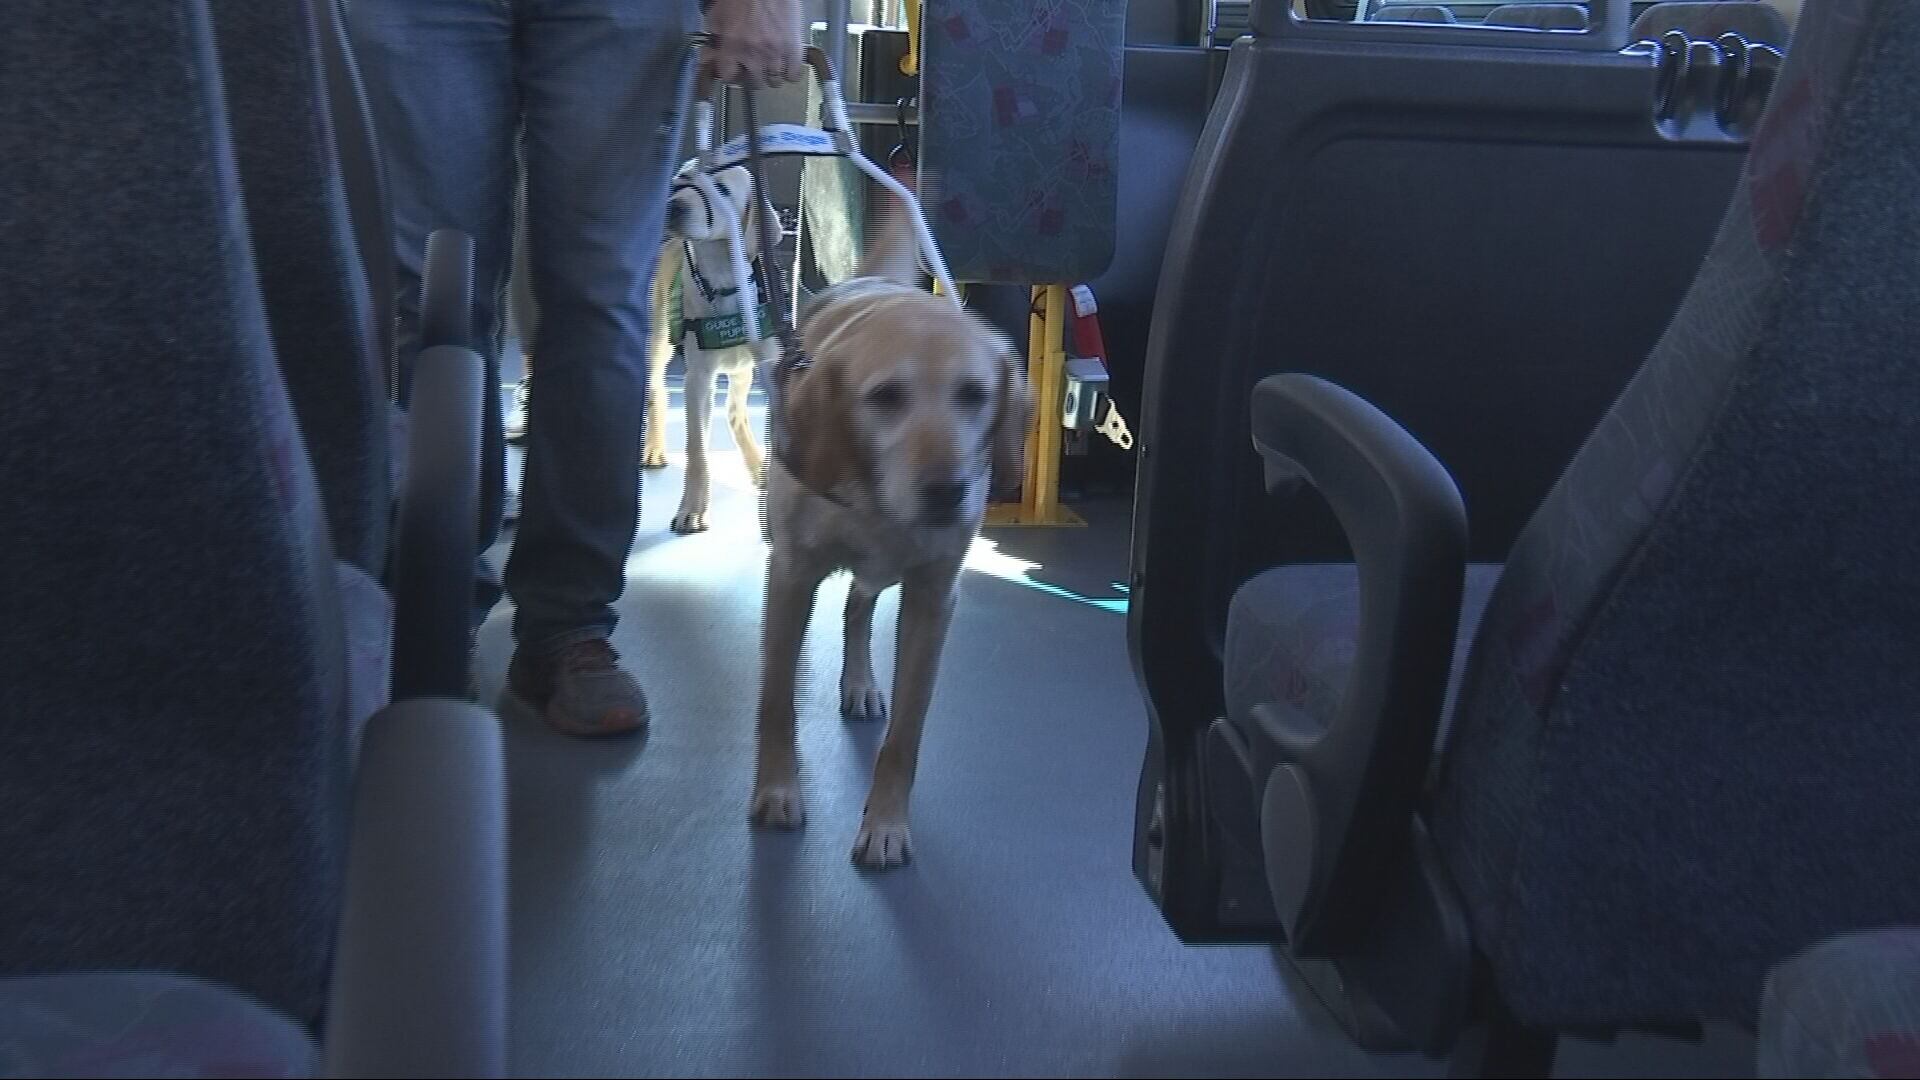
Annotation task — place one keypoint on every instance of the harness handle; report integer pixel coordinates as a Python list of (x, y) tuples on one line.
[(706, 110), (839, 127), (777, 297), (706, 90)]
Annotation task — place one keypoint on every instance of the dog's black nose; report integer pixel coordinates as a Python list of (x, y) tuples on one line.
[(943, 496)]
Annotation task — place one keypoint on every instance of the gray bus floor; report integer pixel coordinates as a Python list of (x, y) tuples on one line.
[(654, 934)]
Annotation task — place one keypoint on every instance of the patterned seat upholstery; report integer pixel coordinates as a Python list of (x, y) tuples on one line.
[(174, 747), (1020, 120), (1683, 745), (1848, 1006), (1292, 632), (312, 278), (1754, 20)]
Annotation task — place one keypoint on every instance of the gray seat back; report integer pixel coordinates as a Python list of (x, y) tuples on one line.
[(312, 278), (1685, 744), (172, 750), (362, 172), (1491, 290)]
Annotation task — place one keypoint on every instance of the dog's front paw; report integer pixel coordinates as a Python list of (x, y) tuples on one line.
[(862, 701), (687, 522), (653, 459), (883, 843), (777, 806)]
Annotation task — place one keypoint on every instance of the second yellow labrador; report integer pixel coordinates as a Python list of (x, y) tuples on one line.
[(886, 447)]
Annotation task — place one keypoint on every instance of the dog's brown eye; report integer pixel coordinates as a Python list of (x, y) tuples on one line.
[(887, 397), (970, 395)]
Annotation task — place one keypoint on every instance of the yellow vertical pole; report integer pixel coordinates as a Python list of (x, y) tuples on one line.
[(1047, 373), (910, 63), (1047, 379), (1043, 466)]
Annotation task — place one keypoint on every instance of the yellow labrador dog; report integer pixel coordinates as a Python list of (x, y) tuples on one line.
[(886, 446), (695, 261)]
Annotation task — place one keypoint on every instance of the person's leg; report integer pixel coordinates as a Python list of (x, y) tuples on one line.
[(604, 83), (439, 79)]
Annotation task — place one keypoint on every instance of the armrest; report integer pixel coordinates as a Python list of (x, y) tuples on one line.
[(419, 985), (1336, 812), (436, 532)]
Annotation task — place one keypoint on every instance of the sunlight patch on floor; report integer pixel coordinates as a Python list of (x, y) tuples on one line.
[(985, 557)]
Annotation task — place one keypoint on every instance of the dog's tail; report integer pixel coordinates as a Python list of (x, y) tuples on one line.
[(664, 327), (893, 253)]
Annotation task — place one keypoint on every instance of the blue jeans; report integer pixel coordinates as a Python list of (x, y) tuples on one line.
[(591, 94)]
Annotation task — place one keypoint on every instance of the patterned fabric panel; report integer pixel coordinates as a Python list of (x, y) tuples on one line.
[(1754, 20), (137, 1023), (1659, 673), (1846, 1007), (1020, 106), (1291, 637), (1292, 633)]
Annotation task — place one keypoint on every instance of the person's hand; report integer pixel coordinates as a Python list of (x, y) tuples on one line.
[(759, 41)]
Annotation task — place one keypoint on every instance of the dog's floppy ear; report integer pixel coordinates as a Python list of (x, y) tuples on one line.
[(821, 448), (1012, 418)]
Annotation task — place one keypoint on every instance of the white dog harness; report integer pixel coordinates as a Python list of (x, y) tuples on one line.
[(721, 272), (835, 139)]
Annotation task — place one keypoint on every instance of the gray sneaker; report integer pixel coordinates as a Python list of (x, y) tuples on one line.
[(580, 689)]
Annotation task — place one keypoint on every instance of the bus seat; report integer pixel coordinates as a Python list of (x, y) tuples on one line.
[(1754, 20), (312, 278), (320, 305), (1413, 13), (362, 173), (187, 798), (1538, 16), (1681, 746), (1532, 256), (1020, 120)]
